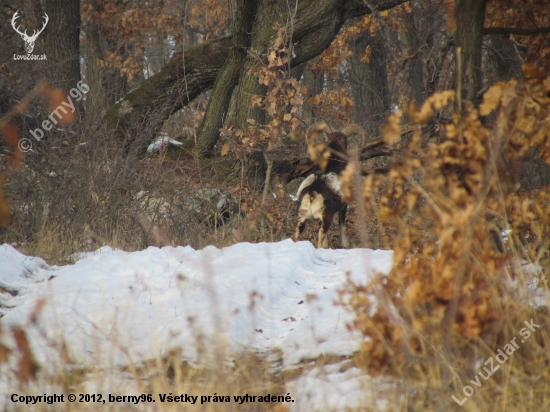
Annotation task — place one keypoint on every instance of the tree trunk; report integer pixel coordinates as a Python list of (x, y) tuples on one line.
[(242, 14), (470, 15), (315, 25), (185, 77), (97, 101), (416, 64), (62, 43), (34, 16), (313, 81), (107, 84), (249, 87), (369, 82)]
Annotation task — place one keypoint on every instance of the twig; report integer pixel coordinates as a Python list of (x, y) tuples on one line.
[(269, 162), (513, 30)]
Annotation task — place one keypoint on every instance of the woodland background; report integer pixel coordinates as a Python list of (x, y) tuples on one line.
[(192, 68)]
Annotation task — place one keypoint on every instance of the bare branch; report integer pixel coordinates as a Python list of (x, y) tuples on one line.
[(357, 8), (513, 30)]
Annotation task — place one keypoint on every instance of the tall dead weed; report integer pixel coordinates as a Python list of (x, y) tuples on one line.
[(467, 235)]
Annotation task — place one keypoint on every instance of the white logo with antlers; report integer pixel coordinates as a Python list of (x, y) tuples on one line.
[(29, 40)]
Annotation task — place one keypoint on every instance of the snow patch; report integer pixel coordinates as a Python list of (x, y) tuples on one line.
[(267, 297), (162, 140)]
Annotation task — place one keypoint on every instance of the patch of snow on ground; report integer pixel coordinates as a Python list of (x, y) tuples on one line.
[(259, 297), (331, 388), (114, 308), (162, 140), (17, 273)]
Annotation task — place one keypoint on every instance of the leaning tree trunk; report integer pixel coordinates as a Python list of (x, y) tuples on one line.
[(187, 75), (241, 14), (324, 18), (470, 15)]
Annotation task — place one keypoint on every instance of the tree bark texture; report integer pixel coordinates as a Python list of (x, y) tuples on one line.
[(267, 15), (413, 21), (369, 83), (62, 43), (470, 16), (242, 14), (97, 101), (313, 80), (107, 84)]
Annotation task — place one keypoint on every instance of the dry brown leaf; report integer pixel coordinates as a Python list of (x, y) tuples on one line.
[(533, 72), (491, 99), (225, 149), (27, 365)]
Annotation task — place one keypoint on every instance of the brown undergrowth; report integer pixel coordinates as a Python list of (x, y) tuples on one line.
[(471, 248)]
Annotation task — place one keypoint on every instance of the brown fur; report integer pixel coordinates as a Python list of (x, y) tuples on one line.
[(318, 201), (338, 145)]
